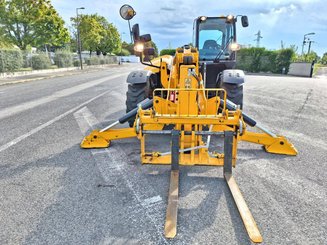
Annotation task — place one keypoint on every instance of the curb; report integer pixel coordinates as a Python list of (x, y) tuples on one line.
[(58, 73), (33, 72), (35, 79)]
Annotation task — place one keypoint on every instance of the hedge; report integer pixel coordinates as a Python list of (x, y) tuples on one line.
[(168, 52), (95, 60), (262, 60), (63, 58), (10, 60), (41, 61)]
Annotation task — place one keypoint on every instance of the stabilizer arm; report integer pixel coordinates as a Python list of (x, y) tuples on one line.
[(277, 145), (102, 138), (271, 142)]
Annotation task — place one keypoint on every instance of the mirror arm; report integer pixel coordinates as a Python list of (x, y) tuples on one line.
[(147, 64), (130, 31)]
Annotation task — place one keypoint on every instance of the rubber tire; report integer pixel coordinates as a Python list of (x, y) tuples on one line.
[(134, 95), (234, 93)]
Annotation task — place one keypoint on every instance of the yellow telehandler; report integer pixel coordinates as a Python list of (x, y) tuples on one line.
[(193, 96)]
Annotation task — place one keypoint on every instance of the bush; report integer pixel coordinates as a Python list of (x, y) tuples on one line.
[(168, 52), (63, 58), (101, 61), (324, 59), (10, 60), (92, 61), (27, 59), (76, 63), (260, 59), (124, 52), (41, 61), (283, 59)]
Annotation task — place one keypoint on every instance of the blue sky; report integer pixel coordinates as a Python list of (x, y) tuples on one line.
[(170, 22)]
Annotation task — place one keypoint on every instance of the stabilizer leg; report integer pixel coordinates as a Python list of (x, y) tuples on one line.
[(271, 142), (277, 145), (171, 214), (102, 138), (245, 213), (98, 139)]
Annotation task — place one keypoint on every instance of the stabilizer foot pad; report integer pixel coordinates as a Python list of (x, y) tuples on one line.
[(281, 146), (94, 140)]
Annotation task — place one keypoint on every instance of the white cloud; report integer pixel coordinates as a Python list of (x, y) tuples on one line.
[(171, 21)]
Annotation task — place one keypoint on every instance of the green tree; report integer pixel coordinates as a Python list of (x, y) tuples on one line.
[(123, 52), (110, 37), (32, 22), (128, 46), (4, 42), (312, 56), (97, 34), (90, 31), (324, 59)]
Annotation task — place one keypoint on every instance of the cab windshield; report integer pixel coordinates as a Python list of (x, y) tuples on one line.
[(214, 35)]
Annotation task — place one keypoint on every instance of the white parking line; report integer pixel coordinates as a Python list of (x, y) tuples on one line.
[(37, 129), (65, 92), (152, 200)]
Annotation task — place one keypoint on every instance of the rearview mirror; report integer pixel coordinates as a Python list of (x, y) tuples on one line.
[(127, 12), (245, 21), (136, 32), (145, 38)]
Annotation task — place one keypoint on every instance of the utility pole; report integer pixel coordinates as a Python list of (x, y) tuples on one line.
[(258, 38), (309, 45), (304, 40), (79, 45)]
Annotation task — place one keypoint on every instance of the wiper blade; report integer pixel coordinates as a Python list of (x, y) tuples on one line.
[(223, 50)]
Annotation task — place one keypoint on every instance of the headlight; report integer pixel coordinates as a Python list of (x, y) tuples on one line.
[(230, 18), (203, 18), (139, 47), (234, 47)]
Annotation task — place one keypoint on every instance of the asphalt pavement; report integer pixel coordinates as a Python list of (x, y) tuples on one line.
[(54, 192)]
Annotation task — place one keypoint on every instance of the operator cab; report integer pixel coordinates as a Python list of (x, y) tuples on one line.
[(215, 38), (212, 37)]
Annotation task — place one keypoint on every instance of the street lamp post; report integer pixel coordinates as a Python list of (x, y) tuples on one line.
[(79, 46), (304, 40), (121, 48)]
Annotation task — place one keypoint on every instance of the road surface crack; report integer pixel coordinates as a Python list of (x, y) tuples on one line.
[(305, 102)]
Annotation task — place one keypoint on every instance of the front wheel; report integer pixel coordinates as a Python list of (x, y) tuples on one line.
[(135, 94), (234, 93)]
